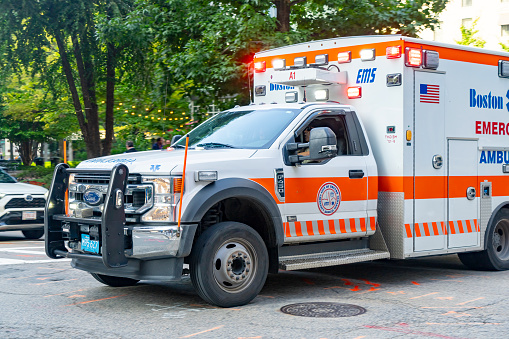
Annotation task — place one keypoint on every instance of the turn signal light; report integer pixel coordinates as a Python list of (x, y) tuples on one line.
[(393, 52), (177, 185), (354, 92), (413, 57), (260, 66)]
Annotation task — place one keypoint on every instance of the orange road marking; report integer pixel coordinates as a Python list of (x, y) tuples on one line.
[(355, 289), (362, 336), (370, 283), (347, 282), (463, 324), (209, 330), (93, 301), (445, 298), (425, 295), (328, 288), (44, 278), (398, 292), (52, 295), (453, 307), (51, 282), (466, 302), (307, 281), (459, 314), (415, 283), (77, 296), (30, 276)]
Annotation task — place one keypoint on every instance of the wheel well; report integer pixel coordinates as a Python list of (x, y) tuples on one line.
[(246, 211)]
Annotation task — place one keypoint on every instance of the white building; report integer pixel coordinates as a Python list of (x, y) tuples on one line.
[(492, 23)]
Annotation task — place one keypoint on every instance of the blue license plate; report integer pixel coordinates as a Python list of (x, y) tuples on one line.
[(89, 245)]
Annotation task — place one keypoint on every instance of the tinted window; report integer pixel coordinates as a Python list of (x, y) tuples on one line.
[(6, 178)]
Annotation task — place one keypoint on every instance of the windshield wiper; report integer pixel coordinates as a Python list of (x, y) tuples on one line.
[(214, 145)]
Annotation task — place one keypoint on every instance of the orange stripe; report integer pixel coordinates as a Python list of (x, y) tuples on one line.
[(451, 227), (321, 229), (469, 226), (332, 228), (426, 229), (417, 230), (298, 229), (435, 228), (372, 187), (460, 226), (458, 185), (342, 227), (309, 226), (476, 226), (268, 184), (408, 231), (444, 229), (352, 225), (305, 190), (287, 229), (363, 225), (372, 223)]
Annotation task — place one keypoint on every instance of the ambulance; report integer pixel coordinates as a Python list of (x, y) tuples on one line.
[(354, 149)]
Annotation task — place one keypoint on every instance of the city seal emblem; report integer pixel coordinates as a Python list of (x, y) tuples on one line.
[(328, 198)]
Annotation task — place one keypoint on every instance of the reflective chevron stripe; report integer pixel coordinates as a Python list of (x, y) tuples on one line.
[(327, 227), (427, 229)]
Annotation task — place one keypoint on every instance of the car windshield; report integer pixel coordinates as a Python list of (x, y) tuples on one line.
[(6, 178), (240, 129)]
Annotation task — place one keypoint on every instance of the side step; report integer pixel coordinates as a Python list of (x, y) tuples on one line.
[(300, 262)]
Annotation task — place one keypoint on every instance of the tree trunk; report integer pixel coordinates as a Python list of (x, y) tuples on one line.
[(283, 15), (74, 93), (110, 98), (28, 151), (91, 112)]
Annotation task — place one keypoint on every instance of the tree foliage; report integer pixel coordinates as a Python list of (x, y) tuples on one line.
[(468, 36)]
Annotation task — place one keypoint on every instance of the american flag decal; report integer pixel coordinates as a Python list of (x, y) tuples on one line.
[(430, 94)]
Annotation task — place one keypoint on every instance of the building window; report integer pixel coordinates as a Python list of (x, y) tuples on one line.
[(504, 30), (466, 3), (467, 22)]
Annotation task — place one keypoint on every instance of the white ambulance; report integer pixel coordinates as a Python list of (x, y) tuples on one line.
[(354, 149)]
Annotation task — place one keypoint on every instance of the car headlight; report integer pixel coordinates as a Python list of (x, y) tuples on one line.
[(166, 193)]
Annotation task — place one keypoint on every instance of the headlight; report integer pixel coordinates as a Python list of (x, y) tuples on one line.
[(46, 195), (165, 200), (2, 195)]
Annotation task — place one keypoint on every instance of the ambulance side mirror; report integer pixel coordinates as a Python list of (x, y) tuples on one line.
[(175, 139), (322, 144)]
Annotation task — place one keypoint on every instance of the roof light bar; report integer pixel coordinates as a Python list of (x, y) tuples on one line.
[(393, 52), (413, 57), (368, 54), (278, 64), (260, 66), (344, 57), (354, 92)]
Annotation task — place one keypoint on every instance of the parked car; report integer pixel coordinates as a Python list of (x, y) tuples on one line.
[(21, 206)]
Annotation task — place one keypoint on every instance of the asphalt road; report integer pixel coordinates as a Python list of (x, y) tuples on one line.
[(420, 298)]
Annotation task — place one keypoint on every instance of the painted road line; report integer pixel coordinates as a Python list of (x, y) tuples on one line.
[(4, 261)]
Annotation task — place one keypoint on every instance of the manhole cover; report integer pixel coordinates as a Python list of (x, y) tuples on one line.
[(323, 310)]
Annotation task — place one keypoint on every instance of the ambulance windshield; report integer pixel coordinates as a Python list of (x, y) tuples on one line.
[(241, 129)]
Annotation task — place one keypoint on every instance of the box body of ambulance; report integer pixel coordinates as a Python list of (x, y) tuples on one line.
[(437, 119)]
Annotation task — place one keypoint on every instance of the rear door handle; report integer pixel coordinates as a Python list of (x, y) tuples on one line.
[(356, 174)]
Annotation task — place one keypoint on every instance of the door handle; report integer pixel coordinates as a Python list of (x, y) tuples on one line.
[(356, 174)]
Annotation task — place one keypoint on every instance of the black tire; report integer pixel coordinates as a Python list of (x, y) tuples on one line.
[(229, 264), (33, 234), (496, 255), (114, 281)]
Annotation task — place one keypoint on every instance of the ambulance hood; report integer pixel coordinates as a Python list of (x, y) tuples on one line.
[(168, 162)]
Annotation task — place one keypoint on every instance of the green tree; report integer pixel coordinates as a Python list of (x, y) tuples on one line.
[(34, 29), (468, 37)]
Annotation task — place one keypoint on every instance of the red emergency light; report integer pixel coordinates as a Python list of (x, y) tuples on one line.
[(354, 92), (344, 57), (260, 66), (393, 52), (413, 57)]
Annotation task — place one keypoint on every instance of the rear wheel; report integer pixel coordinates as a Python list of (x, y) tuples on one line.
[(33, 234), (229, 264), (496, 255), (114, 281)]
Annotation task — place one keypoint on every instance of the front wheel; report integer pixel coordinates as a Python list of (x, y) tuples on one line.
[(114, 281), (496, 255), (33, 234), (229, 264)]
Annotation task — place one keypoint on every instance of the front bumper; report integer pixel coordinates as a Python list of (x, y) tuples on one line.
[(13, 221)]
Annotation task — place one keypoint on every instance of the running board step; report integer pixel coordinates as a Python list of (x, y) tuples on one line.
[(300, 262)]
